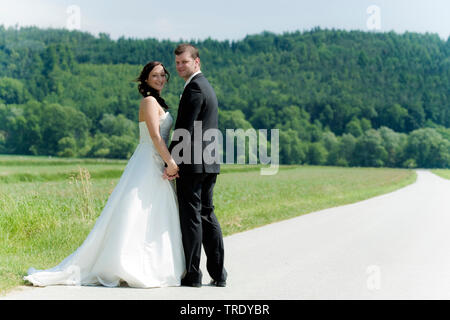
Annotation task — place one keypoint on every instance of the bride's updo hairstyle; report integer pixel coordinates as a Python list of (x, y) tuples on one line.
[(144, 89)]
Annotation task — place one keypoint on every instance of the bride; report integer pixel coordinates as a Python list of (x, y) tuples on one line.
[(137, 238)]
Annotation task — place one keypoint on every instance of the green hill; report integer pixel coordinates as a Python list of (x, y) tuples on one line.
[(346, 98)]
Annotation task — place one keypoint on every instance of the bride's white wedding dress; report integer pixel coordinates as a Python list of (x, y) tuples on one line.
[(137, 237)]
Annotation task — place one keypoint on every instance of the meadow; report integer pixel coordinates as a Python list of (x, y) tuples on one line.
[(49, 205), (444, 173)]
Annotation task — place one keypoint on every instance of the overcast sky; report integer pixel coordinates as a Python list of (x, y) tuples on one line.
[(230, 19)]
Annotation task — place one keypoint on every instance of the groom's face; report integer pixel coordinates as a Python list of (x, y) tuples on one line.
[(186, 65)]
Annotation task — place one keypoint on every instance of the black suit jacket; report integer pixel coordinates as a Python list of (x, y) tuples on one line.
[(198, 103)]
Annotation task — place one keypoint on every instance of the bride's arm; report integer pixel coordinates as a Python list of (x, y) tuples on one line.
[(150, 111)]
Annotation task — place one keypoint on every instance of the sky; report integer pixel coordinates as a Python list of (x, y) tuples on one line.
[(230, 19)]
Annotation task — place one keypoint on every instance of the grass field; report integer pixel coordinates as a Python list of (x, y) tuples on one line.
[(49, 205), (444, 173)]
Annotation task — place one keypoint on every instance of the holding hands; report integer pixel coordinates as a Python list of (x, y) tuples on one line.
[(171, 171)]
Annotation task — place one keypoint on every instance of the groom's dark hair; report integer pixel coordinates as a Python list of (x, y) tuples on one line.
[(183, 47)]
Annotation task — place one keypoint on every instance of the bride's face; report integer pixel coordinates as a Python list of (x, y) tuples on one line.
[(157, 78)]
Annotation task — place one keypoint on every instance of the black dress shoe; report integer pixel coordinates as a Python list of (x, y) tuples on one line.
[(216, 283), (185, 283)]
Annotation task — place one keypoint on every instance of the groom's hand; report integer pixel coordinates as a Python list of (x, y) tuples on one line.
[(172, 169), (169, 177)]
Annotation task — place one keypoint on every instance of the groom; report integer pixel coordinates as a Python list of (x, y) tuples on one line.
[(196, 179)]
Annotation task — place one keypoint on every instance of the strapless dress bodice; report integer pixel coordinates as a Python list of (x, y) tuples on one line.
[(165, 123)]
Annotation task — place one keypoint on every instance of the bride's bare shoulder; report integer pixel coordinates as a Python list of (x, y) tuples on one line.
[(149, 105), (149, 100)]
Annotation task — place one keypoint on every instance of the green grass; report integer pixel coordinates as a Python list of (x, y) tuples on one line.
[(48, 208), (12, 160), (444, 173)]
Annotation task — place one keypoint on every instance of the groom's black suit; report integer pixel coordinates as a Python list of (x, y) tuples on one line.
[(195, 185)]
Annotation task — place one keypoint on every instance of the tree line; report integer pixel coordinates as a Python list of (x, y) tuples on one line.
[(347, 98)]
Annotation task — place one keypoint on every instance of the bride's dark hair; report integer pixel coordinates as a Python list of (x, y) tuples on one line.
[(147, 90)]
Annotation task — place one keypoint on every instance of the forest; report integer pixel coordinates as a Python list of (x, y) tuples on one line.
[(342, 98)]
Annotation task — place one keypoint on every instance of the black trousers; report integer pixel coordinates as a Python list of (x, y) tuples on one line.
[(200, 225)]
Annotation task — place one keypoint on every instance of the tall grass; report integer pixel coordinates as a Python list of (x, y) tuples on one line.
[(82, 182)]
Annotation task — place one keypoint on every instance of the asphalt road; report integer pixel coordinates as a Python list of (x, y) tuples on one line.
[(394, 246)]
